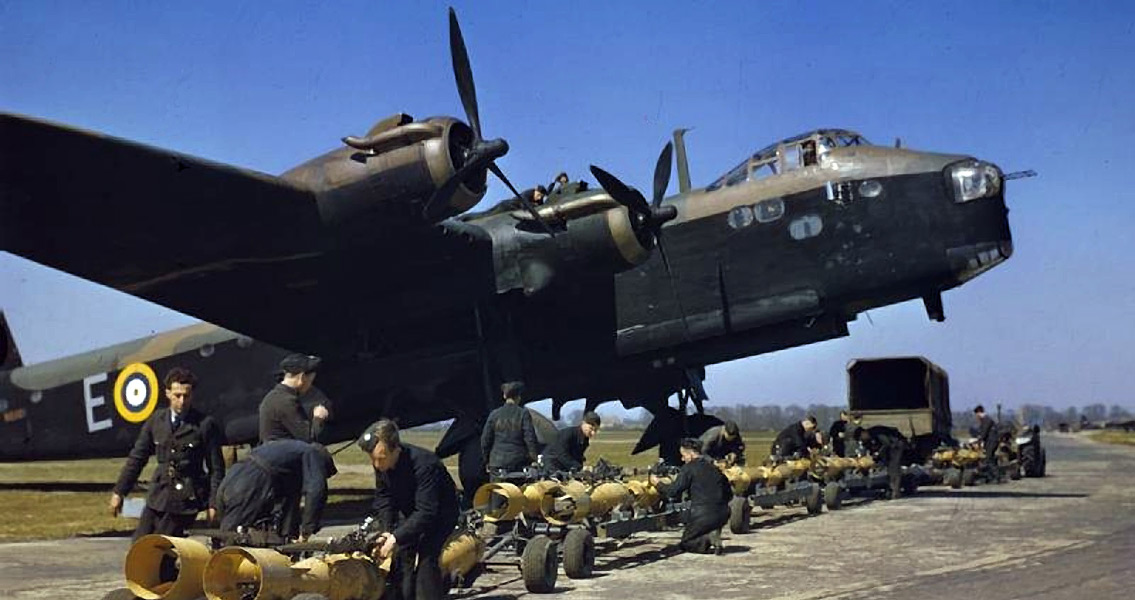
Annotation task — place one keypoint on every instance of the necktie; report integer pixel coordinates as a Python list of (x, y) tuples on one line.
[(176, 422)]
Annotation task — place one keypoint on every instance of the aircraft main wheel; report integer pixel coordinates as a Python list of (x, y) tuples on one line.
[(833, 495), (120, 594), (740, 515), (579, 554), (815, 500), (953, 478), (538, 565)]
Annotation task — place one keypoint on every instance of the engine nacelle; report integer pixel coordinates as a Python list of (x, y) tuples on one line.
[(594, 234), (388, 176)]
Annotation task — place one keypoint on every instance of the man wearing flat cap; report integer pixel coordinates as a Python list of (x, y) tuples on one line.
[(415, 501), (724, 443), (282, 417)]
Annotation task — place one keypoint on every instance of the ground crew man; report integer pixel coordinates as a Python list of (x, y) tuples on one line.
[(988, 435), (724, 443), (797, 438), (190, 465), (508, 441), (282, 417), (415, 501), (270, 475), (838, 433), (565, 452), (709, 492), (889, 446)]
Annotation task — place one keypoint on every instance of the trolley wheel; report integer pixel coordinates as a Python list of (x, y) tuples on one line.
[(815, 500), (538, 565), (953, 478), (740, 515), (969, 477), (579, 554), (833, 495)]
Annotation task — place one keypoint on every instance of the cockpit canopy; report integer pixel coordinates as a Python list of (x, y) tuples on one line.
[(795, 152)]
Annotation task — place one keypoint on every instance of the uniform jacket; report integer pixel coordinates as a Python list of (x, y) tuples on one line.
[(415, 495), (508, 440), (190, 464), (282, 417), (297, 466), (565, 452), (793, 439), (706, 483), (717, 447)]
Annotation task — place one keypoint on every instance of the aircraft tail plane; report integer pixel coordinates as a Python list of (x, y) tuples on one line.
[(9, 353)]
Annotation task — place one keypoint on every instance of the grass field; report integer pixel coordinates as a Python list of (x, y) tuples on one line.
[(64, 499), (1125, 438)]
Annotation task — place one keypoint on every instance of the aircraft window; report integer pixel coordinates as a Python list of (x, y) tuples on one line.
[(809, 152), (769, 210), (805, 227), (736, 177), (790, 154), (739, 217), (763, 169)]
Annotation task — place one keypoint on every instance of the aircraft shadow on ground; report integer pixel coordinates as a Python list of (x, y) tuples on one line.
[(995, 494), (58, 486)]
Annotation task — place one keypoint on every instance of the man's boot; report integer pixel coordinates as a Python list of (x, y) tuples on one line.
[(715, 541)]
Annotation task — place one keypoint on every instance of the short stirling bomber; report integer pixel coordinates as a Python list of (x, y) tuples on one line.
[(596, 294)]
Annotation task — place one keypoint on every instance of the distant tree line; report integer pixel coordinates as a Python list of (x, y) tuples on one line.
[(775, 417)]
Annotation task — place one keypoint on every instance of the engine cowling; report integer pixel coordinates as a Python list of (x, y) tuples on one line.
[(594, 234), (388, 176)]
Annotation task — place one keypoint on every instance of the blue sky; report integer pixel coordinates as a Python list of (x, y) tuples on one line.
[(1039, 85)]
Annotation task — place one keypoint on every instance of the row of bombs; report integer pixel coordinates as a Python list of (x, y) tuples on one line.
[(961, 466), (250, 573)]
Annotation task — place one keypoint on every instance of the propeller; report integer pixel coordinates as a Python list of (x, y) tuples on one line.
[(480, 153), (648, 219)]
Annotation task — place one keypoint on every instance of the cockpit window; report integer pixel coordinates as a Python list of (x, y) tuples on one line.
[(801, 150)]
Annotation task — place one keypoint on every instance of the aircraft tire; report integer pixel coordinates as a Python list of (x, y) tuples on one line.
[(539, 564), (740, 515), (579, 554)]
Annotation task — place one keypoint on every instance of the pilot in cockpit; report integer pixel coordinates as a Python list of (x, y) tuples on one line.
[(809, 152)]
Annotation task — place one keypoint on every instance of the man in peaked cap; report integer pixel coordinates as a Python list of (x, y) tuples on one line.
[(282, 417)]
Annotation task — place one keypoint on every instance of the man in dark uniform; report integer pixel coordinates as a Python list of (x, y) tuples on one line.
[(190, 464), (724, 442), (268, 476), (416, 502), (987, 434), (838, 433), (889, 446), (565, 452), (282, 417), (796, 439), (508, 441), (709, 498)]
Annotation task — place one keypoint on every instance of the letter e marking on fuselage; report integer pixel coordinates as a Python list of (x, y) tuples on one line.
[(91, 401)]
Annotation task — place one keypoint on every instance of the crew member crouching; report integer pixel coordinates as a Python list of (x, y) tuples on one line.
[(709, 493)]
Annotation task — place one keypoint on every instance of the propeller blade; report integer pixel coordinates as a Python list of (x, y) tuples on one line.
[(621, 193), (524, 201), (463, 73), (662, 174)]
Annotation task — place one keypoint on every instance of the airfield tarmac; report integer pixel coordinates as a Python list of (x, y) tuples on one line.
[(1069, 535)]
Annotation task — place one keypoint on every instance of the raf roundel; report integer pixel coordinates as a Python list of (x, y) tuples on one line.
[(136, 392)]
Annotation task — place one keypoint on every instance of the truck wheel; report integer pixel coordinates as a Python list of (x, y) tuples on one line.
[(538, 565), (814, 502), (740, 515), (1030, 461), (833, 495), (579, 554), (1043, 462), (953, 478)]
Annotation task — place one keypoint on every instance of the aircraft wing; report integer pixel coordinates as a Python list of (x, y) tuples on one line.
[(231, 246)]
